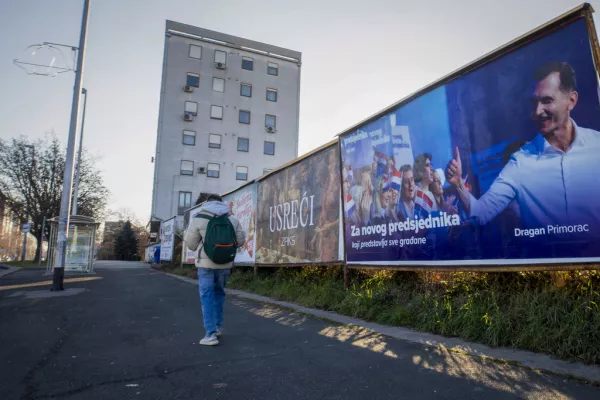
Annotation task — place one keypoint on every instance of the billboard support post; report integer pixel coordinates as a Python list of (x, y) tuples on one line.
[(342, 214), (345, 277)]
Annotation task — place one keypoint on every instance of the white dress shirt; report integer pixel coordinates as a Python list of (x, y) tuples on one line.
[(549, 185)]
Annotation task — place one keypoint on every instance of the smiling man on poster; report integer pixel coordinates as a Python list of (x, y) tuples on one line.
[(553, 178)]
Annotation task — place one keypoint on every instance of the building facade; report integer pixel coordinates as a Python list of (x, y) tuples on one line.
[(229, 112)]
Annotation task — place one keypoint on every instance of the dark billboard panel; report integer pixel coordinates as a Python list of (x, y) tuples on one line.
[(497, 166), (299, 213)]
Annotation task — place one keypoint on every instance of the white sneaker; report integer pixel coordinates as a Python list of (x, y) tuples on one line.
[(219, 333), (209, 340)]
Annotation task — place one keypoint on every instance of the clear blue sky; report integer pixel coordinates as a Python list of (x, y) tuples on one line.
[(358, 57)]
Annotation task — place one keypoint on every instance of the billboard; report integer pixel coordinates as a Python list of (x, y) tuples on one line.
[(167, 239), (189, 256), (242, 205), (298, 212), (496, 166)]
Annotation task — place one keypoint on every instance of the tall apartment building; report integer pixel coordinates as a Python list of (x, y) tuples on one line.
[(229, 112)]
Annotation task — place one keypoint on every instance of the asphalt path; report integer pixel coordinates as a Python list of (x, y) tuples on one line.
[(129, 332)]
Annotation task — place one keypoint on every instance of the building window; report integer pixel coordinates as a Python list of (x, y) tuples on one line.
[(195, 51), (271, 94), (191, 107), (243, 144), (248, 63), (187, 167), (192, 80), (189, 138), (185, 202), (220, 57), (241, 173), (270, 121), (213, 170), (244, 117), (214, 141), (266, 171), (273, 69), (216, 112), (246, 90), (218, 85), (270, 148)]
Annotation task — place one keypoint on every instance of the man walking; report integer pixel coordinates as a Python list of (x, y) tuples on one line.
[(220, 235)]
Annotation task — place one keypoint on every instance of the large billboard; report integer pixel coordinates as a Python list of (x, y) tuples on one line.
[(496, 166), (298, 212), (242, 205), (167, 239), (189, 256)]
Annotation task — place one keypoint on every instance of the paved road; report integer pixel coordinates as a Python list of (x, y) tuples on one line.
[(134, 333)]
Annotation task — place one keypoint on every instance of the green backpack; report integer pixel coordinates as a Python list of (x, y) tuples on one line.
[(220, 240)]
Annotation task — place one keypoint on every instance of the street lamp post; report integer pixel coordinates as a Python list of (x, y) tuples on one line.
[(78, 167), (65, 202)]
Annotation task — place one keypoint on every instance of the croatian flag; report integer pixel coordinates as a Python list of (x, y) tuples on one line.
[(396, 180), (382, 161), (349, 206), (387, 184), (350, 175), (423, 203)]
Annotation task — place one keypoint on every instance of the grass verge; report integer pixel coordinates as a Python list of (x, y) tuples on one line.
[(550, 312), (189, 271), (27, 264)]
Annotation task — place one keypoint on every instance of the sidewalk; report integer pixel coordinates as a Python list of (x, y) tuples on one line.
[(7, 269), (534, 361)]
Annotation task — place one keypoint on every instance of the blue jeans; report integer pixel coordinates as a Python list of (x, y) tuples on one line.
[(212, 296)]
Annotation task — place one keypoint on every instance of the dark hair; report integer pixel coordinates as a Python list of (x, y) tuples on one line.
[(214, 197), (405, 168), (420, 163), (568, 78), (204, 197)]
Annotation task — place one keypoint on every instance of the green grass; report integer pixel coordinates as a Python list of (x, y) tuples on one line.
[(551, 312), (189, 271), (27, 264)]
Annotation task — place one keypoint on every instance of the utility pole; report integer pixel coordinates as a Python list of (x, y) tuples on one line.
[(78, 167), (65, 202)]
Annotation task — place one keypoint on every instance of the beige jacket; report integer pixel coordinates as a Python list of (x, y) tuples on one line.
[(197, 229)]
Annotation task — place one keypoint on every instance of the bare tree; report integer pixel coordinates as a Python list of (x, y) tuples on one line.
[(31, 178), (125, 214), (120, 217)]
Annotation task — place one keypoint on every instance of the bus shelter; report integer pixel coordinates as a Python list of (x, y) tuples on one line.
[(81, 244)]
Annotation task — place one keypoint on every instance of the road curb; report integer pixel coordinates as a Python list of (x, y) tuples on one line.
[(9, 270), (522, 358)]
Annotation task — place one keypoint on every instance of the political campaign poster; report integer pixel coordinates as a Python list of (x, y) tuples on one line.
[(242, 205), (189, 256), (167, 239), (496, 166), (79, 246), (298, 212)]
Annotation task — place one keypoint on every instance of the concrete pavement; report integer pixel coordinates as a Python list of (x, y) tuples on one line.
[(133, 333)]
